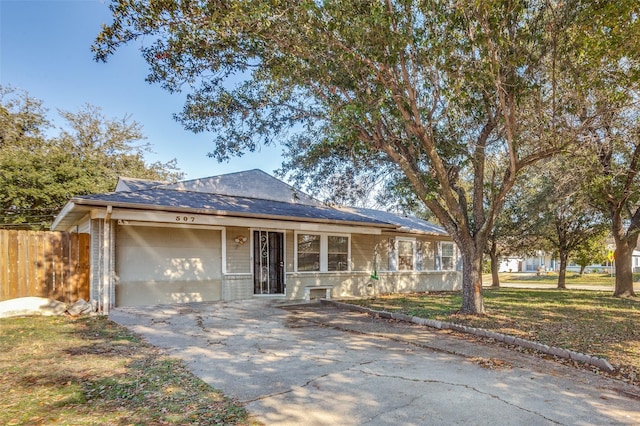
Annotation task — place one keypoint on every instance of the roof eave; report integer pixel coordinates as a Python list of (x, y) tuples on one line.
[(420, 232), (68, 208), (137, 206)]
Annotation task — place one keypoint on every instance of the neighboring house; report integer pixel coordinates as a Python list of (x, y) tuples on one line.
[(510, 264), (545, 262), (542, 261), (245, 235)]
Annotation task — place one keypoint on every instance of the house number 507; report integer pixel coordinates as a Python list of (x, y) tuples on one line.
[(185, 219)]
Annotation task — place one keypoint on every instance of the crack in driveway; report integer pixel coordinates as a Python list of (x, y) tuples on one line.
[(271, 395), (399, 407), (258, 355), (461, 385)]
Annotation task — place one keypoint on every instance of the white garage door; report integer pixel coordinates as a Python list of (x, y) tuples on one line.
[(167, 265)]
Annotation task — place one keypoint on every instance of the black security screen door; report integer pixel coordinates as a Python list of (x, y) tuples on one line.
[(268, 262)]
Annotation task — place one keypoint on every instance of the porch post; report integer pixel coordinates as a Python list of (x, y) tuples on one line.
[(106, 263)]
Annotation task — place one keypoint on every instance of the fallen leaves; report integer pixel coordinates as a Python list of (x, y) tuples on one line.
[(589, 322), (491, 363), (91, 371)]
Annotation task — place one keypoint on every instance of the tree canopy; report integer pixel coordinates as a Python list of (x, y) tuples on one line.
[(451, 100), (558, 216), (40, 170), (603, 92)]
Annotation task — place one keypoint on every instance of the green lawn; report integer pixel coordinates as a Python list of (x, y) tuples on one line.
[(587, 321), (605, 280), (91, 371)]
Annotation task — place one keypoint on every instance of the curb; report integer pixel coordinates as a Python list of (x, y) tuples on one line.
[(601, 363)]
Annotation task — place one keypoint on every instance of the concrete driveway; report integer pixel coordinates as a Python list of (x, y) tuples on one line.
[(318, 365)]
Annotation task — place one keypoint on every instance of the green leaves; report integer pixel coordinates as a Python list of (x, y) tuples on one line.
[(39, 174), (450, 101)]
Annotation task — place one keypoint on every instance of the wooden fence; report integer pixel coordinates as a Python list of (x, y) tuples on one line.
[(44, 264)]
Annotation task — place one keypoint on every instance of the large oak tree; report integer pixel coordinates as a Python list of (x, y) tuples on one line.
[(454, 97)]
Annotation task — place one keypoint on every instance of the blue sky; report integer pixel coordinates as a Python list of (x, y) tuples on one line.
[(45, 50)]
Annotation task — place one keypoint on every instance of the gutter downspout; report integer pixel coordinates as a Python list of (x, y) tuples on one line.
[(106, 262)]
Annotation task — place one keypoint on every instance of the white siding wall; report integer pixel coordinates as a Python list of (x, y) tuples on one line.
[(363, 248), (238, 253), (237, 287), (156, 265), (84, 227), (360, 284)]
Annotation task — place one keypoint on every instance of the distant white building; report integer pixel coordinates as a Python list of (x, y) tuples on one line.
[(510, 264), (545, 262)]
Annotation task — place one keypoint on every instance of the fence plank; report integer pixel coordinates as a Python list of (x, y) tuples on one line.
[(45, 264), (56, 266), (48, 265), (67, 261), (72, 280), (23, 255), (39, 264), (84, 266), (4, 267), (4, 251), (32, 257), (12, 257)]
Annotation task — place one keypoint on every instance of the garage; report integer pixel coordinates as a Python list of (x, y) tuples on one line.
[(167, 265)]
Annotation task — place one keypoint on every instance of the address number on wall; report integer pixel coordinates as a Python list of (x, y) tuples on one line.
[(185, 218)]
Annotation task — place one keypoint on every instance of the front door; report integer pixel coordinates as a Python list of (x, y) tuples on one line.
[(268, 262)]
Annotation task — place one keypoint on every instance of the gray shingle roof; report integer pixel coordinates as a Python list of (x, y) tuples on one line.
[(250, 184), (410, 224), (167, 199), (251, 194)]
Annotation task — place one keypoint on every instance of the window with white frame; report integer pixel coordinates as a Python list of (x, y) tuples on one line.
[(404, 254), (406, 249), (447, 256), (337, 253), (322, 252), (308, 252)]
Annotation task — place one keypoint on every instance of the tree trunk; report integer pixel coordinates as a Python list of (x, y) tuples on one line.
[(582, 269), (495, 264), (562, 273), (623, 268), (625, 243), (472, 302)]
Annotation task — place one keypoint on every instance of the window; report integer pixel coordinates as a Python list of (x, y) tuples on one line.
[(405, 255), (338, 253), (447, 256), (322, 253), (308, 252)]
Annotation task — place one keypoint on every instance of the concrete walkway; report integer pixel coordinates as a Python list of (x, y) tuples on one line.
[(318, 365)]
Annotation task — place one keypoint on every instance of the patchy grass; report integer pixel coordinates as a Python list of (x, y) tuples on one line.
[(91, 371), (605, 280), (591, 322)]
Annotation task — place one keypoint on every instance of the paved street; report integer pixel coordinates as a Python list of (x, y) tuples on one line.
[(318, 365)]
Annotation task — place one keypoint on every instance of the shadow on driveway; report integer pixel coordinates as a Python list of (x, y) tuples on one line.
[(316, 365)]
